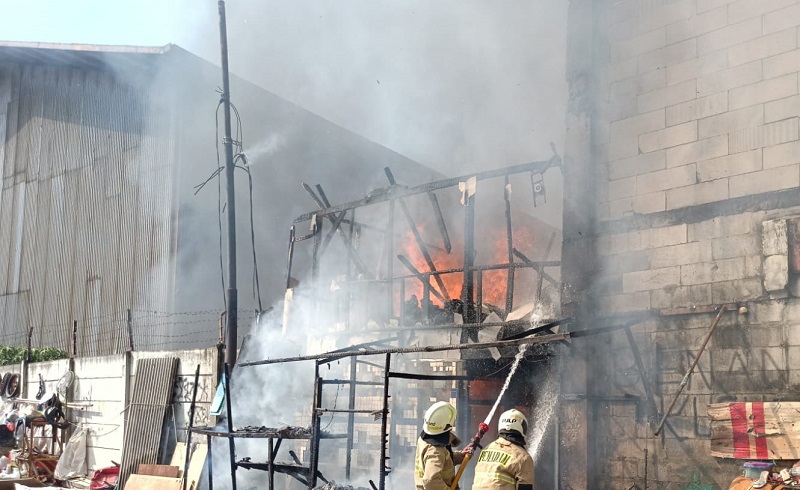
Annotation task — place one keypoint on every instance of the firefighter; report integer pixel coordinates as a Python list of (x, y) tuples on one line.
[(435, 461), (505, 464)]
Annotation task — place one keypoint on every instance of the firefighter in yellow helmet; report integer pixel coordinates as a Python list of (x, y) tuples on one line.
[(435, 461), (505, 464)]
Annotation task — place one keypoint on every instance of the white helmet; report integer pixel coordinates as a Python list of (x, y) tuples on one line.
[(439, 419), (513, 420)]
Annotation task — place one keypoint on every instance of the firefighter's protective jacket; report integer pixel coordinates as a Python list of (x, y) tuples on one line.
[(434, 464), (502, 465)]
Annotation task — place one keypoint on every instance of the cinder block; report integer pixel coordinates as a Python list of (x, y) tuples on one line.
[(735, 246), (640, 164), (774, 237), (765, 91), (650, 279), (619, 147), (764, 181), (729, 78), (729, 36), (699, 150), (705, 5), (761, 136), (781, 155), (776, 272), (623, 69), (653, 202), (747, 9), (766, 312), (778, 110), (683, 296), (620, 208), (646, 82), (617, 189), (617, 244), (669, 137), (673, 53), (781, 64), (683, 254), (711, 272), (731, 121), (733, 291), (781, 19), (661, 237), (624, 303), (639, 44), (667, 96), (722, 226), (698, 67), (697, 109), (666, 179), (665, 14), (692, 195), (634, 126), (697, 25), (763, 47), (738, 163)]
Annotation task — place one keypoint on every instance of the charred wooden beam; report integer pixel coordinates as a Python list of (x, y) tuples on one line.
[(386, 194), (327, 357), (437, 213), (422, 277), (417, 237), (510, 244), (321, 205)]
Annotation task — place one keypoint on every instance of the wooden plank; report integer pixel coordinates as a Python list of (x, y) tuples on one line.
[(755, 430), (150, 482), (159, 470), (196, 461)]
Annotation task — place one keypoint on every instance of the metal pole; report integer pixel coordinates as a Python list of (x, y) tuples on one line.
[(351, 417), (210, 464), (315, 429), (190, 425), (689, 372), (74, 338), (384, 420), (231, 443), (271, 449), (231, 293), (130, 330)]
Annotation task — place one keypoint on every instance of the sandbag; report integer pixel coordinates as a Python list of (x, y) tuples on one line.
[(72, 462)]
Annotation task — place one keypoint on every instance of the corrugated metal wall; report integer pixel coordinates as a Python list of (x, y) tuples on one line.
[(85, 206)]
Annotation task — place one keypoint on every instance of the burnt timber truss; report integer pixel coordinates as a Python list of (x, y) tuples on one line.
[(344, 223)]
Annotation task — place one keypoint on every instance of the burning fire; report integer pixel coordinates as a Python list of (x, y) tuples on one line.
[(494, 282)]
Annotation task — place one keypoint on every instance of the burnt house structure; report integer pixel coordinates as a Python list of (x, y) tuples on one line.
[(102, 152)]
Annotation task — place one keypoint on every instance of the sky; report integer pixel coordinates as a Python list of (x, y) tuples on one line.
[(458, 85)]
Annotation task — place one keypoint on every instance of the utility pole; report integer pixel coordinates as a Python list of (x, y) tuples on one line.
[(231, 293)]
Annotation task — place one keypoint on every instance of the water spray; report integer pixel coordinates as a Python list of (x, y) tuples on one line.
[(483, 427)]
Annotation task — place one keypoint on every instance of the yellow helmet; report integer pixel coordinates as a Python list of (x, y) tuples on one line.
[(439, 419)]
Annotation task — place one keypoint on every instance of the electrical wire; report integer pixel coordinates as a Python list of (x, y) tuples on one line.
[(257, 285)]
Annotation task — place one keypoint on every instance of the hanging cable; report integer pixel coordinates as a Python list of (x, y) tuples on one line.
[(257, 288)]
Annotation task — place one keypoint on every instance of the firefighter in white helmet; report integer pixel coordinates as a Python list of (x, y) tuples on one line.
[(435, 461), (505, 464)]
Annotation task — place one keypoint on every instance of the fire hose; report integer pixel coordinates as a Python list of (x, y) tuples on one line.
[(475, 443)]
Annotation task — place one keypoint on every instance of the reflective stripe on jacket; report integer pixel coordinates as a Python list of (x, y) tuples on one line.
[(434, 468), (503, 465)]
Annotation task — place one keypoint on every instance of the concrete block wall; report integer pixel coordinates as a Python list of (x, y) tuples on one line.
[(696, 137), (698, 102)]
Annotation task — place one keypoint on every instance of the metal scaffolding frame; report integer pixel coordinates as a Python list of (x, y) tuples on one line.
[(344, 223)]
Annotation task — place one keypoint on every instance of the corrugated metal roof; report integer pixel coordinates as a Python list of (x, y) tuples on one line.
[(87, 56)]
